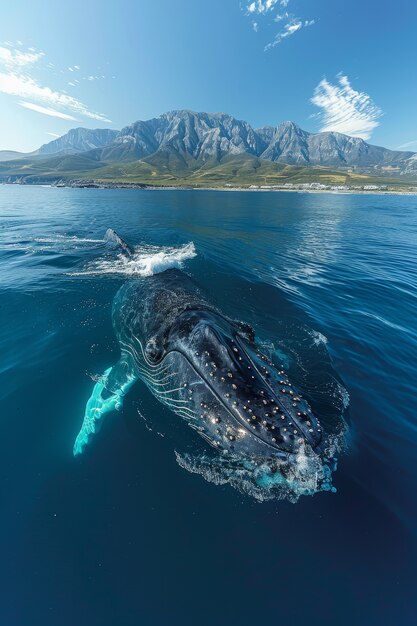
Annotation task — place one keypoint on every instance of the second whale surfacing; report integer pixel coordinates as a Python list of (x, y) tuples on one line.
[(209, 370)]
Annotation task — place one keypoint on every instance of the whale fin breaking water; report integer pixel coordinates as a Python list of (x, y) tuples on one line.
[(113, 238), (143, 260)]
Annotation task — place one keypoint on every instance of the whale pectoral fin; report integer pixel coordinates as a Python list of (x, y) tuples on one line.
[(107, 396)]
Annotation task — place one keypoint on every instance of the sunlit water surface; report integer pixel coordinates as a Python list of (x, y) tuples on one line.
[(145, 527)]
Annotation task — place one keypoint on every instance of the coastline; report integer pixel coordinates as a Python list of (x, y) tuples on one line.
[(144, 187)]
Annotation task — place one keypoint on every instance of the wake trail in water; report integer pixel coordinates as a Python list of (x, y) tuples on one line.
[(46, 244), (66, 239)]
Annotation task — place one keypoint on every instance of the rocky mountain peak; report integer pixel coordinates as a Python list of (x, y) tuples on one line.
[(204, 137), (78, 140)]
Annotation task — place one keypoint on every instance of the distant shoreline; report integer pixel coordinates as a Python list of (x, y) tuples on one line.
[(144, 187)]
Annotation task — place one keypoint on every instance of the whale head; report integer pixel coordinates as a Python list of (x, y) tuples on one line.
[(243, 403)]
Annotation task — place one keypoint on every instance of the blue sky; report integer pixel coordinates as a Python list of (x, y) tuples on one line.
[(335, 65)]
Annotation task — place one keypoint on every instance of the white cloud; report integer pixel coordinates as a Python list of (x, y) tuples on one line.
[(281, 16), (46, 111), (409, 144), (93, 77), (345, 110), (25, 87), (290, 28), (260, 7), (55, 135), (267, 9), (16, 81), (13, 58)]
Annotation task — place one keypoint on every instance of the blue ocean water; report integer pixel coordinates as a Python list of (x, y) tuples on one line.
[(124, 535)]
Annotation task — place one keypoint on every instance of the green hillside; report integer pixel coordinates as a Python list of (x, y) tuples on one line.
[(180, 169)]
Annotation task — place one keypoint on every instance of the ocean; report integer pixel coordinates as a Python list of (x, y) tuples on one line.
[(142, 530)]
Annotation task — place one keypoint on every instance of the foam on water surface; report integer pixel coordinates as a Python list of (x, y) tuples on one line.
[(145, 260), (305, 475)]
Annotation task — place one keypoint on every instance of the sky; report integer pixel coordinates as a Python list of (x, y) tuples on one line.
[(337, 65)]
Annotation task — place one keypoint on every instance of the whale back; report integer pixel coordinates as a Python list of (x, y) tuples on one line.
[(146, 308)]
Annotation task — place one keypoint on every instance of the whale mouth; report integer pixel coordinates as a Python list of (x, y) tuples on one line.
[(258, 399)]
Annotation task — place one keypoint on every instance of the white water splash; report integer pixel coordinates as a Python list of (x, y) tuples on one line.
[(306, 474), (146, 261), (318, 338)]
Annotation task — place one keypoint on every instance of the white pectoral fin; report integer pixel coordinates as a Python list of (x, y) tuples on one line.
[(107, 396)]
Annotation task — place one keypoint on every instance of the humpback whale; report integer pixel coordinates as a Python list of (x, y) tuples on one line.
[(208, 369)]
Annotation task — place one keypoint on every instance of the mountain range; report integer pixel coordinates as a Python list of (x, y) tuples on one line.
[(74, 141), (183, 144)]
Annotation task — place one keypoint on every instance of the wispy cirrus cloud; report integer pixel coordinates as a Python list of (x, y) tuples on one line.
[(92, 77), (260, 7), (406, 146), (16, 79), (273, 11), (14, 58), (292, 26), (345, 110), (52, 112)]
